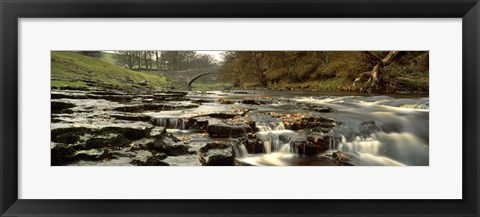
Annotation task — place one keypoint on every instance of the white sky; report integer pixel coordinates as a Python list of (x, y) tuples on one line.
[(216, 54)]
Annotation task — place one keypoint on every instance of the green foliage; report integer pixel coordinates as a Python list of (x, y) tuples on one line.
[(111, 58), (163, 60), (409, 72), (72, 84), (70, 68), (318, 70), (95, 54)]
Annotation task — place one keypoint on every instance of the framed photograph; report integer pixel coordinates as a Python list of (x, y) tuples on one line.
[(239, 108)]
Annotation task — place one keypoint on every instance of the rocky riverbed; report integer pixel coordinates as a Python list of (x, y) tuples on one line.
[(235, 128)]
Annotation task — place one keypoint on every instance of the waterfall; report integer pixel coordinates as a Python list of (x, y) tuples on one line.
[(240, 150), (170, 123), (402, 147), (422, 106), (273, 134)]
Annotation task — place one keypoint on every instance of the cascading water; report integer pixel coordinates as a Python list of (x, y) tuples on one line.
[(273, 134), (240, 150), (170, 123), (381, 130)]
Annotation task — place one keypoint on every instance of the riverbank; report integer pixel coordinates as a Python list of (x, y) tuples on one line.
[(75, 71)]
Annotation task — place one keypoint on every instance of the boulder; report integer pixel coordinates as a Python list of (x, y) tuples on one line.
[(317, 108), (222, 115), (222, 130), (226, 101), (61, 154), (217, 154), (108, 140), (68, 135), (131, 133), (93, 155), (199, 123), (169, 147), (131, 117), (367, 128), (58, 106), (310, 145), (257, 101), (151, 161), (66, 95)]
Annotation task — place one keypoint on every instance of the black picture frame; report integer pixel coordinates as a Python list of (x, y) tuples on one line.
[(12, 10)]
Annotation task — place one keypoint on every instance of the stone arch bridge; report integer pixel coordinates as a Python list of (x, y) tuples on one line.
[(186, 78)]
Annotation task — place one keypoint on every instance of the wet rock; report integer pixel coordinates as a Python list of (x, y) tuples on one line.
[(310, 145), (56, 120), (341, 158), (58, 107), (253, 145), (257, 101), (217, 154), (199, 123), (109, 140), (201, 101), (153, 107), (93, 155), (158, 132), (151, 161), (61, 154), (68, 135), (141, 143), (172, 93), (169, 147), (222, 115), (169, 96), (114, 98), (317, 108), (321, 142), (131, 117), (222, 130), (106, 92), (299, 121), (148, 100), (127, 132), (130, 108), (226, 101), (54, 95), (183, 160), (367, 128)]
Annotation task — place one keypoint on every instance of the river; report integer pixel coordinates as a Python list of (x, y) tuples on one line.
[(281, 128)]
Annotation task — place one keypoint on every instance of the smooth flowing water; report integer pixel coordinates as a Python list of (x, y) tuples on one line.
[(372, 130), (264, 127)]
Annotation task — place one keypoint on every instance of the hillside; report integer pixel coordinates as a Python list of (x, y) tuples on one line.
[(326, 70), (110, 58), (74, 70)]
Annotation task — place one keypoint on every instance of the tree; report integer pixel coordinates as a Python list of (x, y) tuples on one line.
[(96, 54), (373, 78), (125, 58)]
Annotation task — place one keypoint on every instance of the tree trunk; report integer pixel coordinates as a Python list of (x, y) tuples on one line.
[(156, 60), (130, 60), (139, 60), (146, 61), (257, 56), (372, 79)]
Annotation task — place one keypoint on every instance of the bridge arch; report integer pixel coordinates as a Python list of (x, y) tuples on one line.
[(189, 85), (185, 78)]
